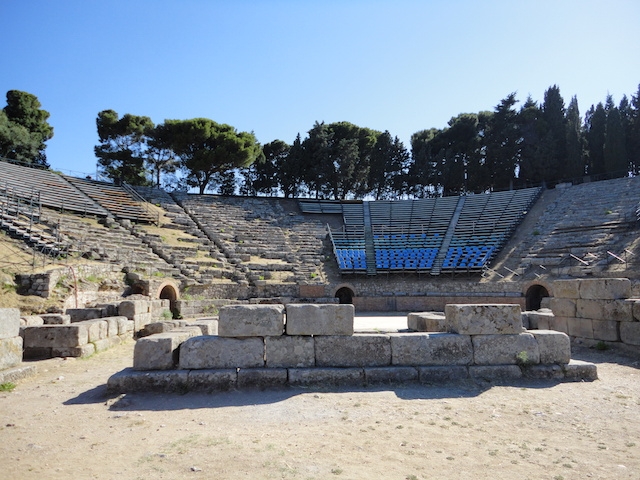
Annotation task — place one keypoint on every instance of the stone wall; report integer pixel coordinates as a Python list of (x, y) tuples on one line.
[(11, 366), (43, 284), (262, 346)]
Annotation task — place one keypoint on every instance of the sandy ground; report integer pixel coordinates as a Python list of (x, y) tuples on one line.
[(62, 424)]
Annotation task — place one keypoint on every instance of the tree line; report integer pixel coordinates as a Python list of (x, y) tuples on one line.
[(507, 147)]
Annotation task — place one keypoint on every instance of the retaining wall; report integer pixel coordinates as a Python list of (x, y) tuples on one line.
[(11, 367)]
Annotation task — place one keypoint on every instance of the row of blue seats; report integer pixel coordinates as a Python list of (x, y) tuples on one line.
[(405, 264), (467, 257), (413, 253)]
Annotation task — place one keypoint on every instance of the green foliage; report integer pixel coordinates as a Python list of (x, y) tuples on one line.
[(7, 387), (522, 358)]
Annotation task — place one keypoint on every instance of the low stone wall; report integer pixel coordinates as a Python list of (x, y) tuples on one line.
[(144, 311), (315, 345), (594, 309), (11, 367)]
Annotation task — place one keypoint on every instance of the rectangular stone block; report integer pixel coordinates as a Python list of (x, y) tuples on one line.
[(559, 324), (36, 353), (251, 321), (131, 308), (495, 373), (9, 322), (543, 372), (213, 352), (320, 319), (56, 319), (505, 349), (358, 350), (580, 327), (158, 352), (563, 307), (578, 371), (443, 374), (10, 352), (262, 378), (141, 320), (31, 321), (56, 336), (124, 325), (618, 310), (605, 330), (630, 333), (540, 319), (322, 377), (419, 349), (566, 289), (207, 326), (605, 288), (81, 314), (20, 372), (102, 345), (82, 351), (554, 347), (427, 322), (591, 309), (97, 329), (477, 319), (210, 381), (390, 375), (290, 352), (636, 311), (131, 381), (112, 325)]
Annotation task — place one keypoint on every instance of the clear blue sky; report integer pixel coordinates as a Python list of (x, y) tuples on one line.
[(275, 67)]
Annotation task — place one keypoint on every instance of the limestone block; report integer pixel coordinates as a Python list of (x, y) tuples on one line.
[(630, 333), (566, 289), (20, 372), (592, 309), (495, 373), (390, 375), (112, 325), (31, 321), (563, 307), (209, 381), (130, 381), (288, 352), (540, 319), (36, 353), (476, 319), (617, 310), (321, 377), (427, 322), (261, 378), (578, 370), (96, 328), (251, 321), (543, 372), (320, 319), (605, 288), (220, 352), (156, 327), (430, 349), (207, 326), (9, 322), (525, 320), (580, 327), (158, 352), (102, 345), (559, 324), (636, 311), (353, 351), (505, 349), (554, 347), (545, 303), (141, 320), (606, 330), (10, 352), (81, 314), (56, 319), (124, 325), (131, 308), (81, 351), (443, 374), (55, 336)]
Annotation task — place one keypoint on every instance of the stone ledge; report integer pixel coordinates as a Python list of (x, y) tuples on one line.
[(18, 373)]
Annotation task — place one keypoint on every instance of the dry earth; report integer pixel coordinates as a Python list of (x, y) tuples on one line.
[(62, 424)]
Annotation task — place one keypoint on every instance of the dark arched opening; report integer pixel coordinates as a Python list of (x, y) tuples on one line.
[(168, 292), (344, 295), (534, 296)]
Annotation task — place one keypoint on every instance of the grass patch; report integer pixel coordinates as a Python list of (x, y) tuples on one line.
[(7, 387)]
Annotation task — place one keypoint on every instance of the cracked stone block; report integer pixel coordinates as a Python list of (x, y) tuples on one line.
[(606, 330), (56, 336), (358, 350), (290, 351), (477, 319), (563, 307), (605, 288), (220, 352), (566, 289), (320, 319), (159, 351), (554, 347), (580, 327), (430, 349), (251, 321), (505, 349)]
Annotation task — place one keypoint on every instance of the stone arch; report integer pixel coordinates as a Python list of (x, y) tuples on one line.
[(345, 294), (534, 294), (169, 291)]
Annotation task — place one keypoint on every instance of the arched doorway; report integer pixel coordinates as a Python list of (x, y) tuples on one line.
[(169, 292), (344, 295), (535, 294)]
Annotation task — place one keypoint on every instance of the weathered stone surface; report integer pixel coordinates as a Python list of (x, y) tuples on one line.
[(605, 288), (131, 381), (158, 352), (563, 307), (554, 347), (141, 320), (427, 322), (390, 375), (605, 330), (359, 350), (505, 349), (56, 336), (125, 326), (630, 333), (443, 374), (476, 319), (580, 327), (495, 373), (36, 353), (212, 352), (102, 345), (618, 310), (209, 381), (262, 378), (578, 370), (566, 289), (320, 319), (81, 351), (558, 324), (31, 321), (112, 325), (290, 352), (540, 319), (207, 326), (10, 352), (251, 321), (430, 349), (9, 322), (55, 319), (17, 373), (591, 309), (131, 308), (543, 372), (81, 314), (305, 377), (636, 310), (97, 329)]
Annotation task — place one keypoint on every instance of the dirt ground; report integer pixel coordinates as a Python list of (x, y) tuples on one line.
[(62, 424)]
